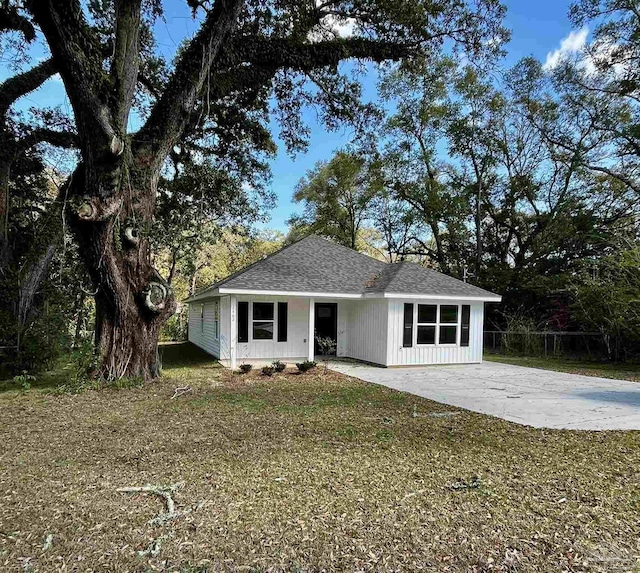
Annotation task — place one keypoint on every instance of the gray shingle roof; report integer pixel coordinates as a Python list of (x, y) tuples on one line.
[(317, 265), (410, 278)]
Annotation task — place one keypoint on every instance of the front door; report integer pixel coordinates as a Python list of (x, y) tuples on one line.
[(326, 323)]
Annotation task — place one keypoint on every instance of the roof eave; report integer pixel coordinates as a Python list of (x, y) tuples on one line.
[(490, 297), (309, 294), (204, 295), (221, 291)]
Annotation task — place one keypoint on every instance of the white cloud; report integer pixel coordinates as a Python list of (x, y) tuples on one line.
[(332, 26), (573, 44)]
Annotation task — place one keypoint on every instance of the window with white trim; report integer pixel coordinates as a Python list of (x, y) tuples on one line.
[(216, 319), (263, 321), (202, 318), (437, 324)]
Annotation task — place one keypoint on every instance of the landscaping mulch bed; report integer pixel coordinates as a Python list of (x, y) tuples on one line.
[(311, 472)]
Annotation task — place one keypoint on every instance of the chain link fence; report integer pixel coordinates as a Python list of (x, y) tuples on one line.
[(583, 345)]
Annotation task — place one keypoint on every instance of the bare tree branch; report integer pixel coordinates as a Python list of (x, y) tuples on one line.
[(64, 139), (78, 55), (24, 83), (170, 115), (11, 20), (126, 59)]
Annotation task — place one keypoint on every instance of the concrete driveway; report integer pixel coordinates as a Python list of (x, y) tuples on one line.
[(528, 396)]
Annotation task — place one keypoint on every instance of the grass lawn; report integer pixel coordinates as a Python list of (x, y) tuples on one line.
[(618, 371), (313, 472)]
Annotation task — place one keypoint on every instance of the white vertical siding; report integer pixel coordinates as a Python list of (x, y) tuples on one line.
[(202, 333), (225, 328), (342, 348), (433, 354), (367, 330), (297, 331)]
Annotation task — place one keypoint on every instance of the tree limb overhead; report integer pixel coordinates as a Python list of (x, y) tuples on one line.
[(170, 115), (24, 83)]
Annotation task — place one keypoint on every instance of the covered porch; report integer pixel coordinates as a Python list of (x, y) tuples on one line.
[(264, 328)]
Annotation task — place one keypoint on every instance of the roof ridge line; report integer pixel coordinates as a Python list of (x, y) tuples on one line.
[(344, 247)]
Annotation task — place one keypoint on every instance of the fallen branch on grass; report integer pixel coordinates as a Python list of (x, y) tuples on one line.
[(181, 391), (163, 491), (154, 548)]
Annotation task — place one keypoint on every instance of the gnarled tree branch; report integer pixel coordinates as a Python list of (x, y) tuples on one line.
[(78, 56)]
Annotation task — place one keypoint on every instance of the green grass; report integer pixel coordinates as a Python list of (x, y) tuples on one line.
[(311, 472), (618, 370)]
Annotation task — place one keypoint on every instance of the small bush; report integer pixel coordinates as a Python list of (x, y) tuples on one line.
[(278, 366), (24, 380), (175, 329), (306, 365), (268, 370), (244, 368), (521, 337), (326, 346)]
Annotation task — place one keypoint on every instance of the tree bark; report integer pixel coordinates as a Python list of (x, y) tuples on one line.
[(132, 299), (5, 169)]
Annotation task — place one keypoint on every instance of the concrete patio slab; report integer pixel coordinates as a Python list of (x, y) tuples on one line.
[(528, 396)]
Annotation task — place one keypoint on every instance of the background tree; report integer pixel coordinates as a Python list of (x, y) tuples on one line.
[(606, 299), (30, 218), (337, 198), (415, 173)]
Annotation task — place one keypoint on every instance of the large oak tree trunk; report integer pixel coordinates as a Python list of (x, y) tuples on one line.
[(132, 299)]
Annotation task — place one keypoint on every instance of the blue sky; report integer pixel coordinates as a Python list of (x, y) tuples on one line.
[(538, 29)]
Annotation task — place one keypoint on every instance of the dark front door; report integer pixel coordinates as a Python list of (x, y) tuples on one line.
[(326, 322)]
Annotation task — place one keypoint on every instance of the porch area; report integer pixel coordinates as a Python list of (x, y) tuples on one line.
[(265, 328)]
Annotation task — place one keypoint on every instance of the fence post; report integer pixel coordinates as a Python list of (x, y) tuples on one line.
[(545, 344)]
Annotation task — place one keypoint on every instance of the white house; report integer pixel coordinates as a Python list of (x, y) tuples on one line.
[(392, 314)]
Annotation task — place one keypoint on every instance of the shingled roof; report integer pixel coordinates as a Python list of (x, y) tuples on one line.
[(316, 265)]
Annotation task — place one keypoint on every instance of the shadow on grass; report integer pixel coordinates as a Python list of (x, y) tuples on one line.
[(172, 355), (58, 375), (183, 355), (615, 370)]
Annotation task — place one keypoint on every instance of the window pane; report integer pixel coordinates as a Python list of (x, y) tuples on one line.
[(427, 312), (449, 313), (324, 312), (448, 334), (263, 330), (426, 334), (262, 311)]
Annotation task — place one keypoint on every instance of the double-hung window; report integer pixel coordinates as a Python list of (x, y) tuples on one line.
[(438, 324), (263, 319), (448, 324)]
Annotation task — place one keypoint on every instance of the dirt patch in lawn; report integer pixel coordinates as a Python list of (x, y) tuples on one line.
[(303, 473)]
